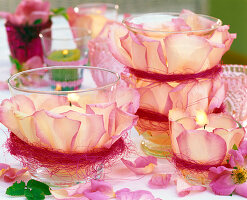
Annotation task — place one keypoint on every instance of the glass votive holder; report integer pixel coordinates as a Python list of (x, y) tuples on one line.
[(24, 41), (55, 135), (65, 47), (201, 142), (159, 60), (92, 16)]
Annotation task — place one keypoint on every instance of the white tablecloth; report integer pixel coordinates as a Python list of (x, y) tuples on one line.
[(127, 179)]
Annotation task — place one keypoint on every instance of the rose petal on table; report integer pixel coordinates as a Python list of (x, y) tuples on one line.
[(75, 192), (4, 85), (159, 180), (180, 48), (95, 195), (56, 131), (142, 165), (184, 188), (103, 187), (209, 148), (126, 193), (3, 168), (232, 138), (12, 173)]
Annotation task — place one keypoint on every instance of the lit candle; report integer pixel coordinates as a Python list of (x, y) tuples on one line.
[(72, 97), (202, 120)]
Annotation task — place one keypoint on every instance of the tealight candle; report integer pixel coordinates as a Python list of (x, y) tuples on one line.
[(202, 141), (65, 47), (65, 55)]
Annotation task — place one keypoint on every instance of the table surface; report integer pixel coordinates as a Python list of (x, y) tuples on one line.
[(128, 179)]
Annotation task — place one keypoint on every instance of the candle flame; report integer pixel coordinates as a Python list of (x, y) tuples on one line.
[(65, 52), (201, 118), (72, 97), (58, 87)]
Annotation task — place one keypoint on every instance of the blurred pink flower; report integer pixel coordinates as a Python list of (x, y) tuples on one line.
[(28, 12)]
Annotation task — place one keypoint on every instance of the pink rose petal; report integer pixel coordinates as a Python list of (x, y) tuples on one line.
[(155, 97), (12, 173), (85, 140), (221, 121), (241, 189), (127, 99), (222, 183), (3, 168), (184, 188), (185, 47), (233, 137), (116, 32), (159, 180), (236, 159), (142, 165), (56, 131), (125, 194), (209, 148), (75, 192)]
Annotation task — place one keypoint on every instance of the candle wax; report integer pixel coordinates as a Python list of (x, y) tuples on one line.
[(206, 128), (71, 55)]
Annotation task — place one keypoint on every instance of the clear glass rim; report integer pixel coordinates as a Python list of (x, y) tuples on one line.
[(127, 20), (89, 5), (45, 31), (63, 92)]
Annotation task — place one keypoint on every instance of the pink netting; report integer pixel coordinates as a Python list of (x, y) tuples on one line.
[(163, 78), (35, 157)]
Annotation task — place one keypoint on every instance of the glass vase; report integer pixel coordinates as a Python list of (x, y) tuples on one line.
[(24, 41)]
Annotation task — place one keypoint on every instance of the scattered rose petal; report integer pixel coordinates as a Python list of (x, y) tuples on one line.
[(142, 165), (12, 173), (126, 193), (184, 188), (160, 180)]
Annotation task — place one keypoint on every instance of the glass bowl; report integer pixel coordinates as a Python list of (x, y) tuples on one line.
[(54, 125)]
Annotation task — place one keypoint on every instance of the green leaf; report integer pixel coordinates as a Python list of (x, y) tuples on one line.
[(34, 194), (234, 147), (16, 63), (17, 189), (37, 21), (60, 11), (33, 184)]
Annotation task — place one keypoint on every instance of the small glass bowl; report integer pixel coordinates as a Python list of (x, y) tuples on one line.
[(46, 96)]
